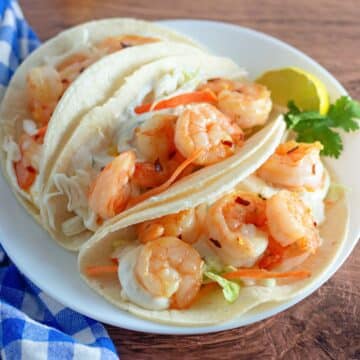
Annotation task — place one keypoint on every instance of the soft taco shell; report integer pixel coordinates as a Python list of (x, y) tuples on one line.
[(107, 118), (212, 308), (72, 105)]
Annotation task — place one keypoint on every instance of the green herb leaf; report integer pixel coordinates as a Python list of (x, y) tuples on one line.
[(311, 126), (330, 139), (230, 289), (344, 112)]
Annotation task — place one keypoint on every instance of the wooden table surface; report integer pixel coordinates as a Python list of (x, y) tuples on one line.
[(327, 324)]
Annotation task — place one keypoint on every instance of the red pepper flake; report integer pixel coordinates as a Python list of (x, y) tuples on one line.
[(227, 143), (65, 81), (124, 45), (81, 70), (157, 165), (315, 223), (314, 169), (242, 201), (293, 149), (30, 169), (172, 154), (216, 243)]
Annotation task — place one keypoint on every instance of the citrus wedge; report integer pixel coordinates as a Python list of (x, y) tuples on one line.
[(292, 83)]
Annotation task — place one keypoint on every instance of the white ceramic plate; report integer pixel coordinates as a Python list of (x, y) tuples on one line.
[(55, 271)]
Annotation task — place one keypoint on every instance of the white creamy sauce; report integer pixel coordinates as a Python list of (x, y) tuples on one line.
[(12, 149), (255, 184), (176, 82), (204, 249), (315, 200), (29, 127), (131, 289), (259, 242), (126, 130), (168, 83)]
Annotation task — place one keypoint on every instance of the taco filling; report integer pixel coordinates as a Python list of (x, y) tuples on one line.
[(261, 233), (180, 124), (45, 87)]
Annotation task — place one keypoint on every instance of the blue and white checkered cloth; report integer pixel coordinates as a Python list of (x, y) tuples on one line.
[(33, 325)]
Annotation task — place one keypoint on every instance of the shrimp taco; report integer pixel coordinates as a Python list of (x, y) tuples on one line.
[(176, 117), (40, 91), (224, 251)]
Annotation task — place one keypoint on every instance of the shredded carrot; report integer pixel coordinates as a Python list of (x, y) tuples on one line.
[(166, 184), (101, 270), (264, 274), (194, 97), (39, 135)]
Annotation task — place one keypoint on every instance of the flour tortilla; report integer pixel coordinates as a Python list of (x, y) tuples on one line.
[(73, 103), (108, 117), (212, 308)]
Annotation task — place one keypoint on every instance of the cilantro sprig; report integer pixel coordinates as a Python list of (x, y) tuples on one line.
[(312, 126)]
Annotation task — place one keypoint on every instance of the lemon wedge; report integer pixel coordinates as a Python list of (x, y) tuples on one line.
[(292, 83)]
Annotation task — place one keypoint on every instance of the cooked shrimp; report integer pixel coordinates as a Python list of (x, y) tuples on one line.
[(234, 224), (115, 43), (291, 224), (110, 191), (248, 104), (168, 267), (27, 167), (202, 126), (44, 90), (71, 67), (155, 138), (294, 166), (186, 225), (218, 85), (148, 175)]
